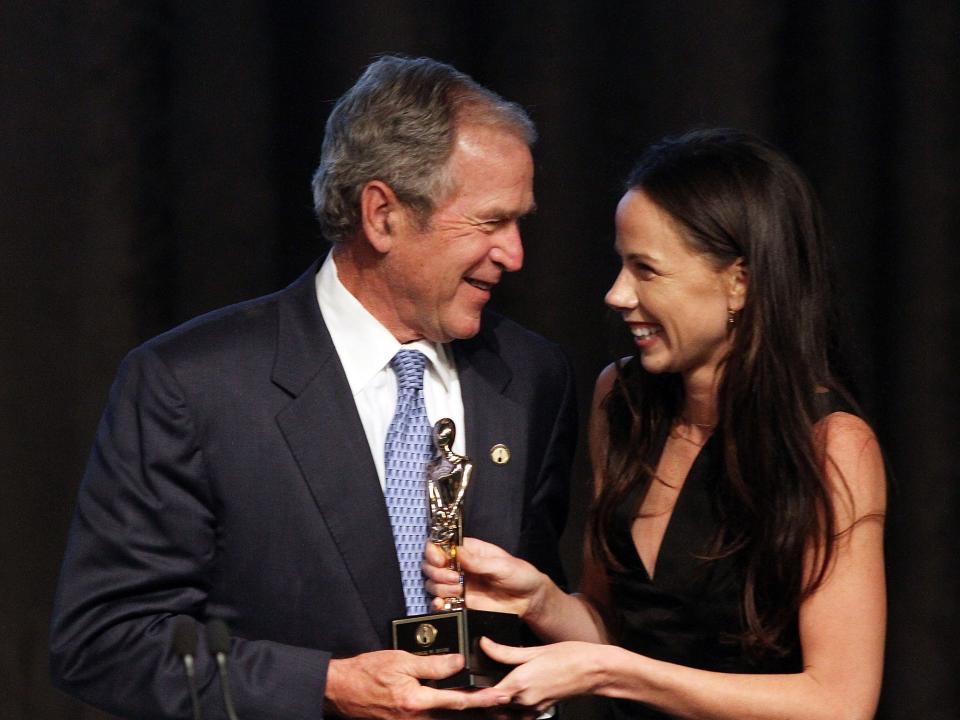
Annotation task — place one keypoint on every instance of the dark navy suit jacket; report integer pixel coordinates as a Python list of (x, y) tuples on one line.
[(231, 477)]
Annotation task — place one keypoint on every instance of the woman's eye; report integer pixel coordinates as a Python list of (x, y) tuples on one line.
[(644, 271)]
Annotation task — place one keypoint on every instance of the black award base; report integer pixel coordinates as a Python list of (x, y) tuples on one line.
[(459, 631)]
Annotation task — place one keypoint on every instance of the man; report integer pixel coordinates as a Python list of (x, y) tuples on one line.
[(247, 468)]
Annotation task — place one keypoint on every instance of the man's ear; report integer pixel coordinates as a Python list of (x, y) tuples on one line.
[(380, 215), (736, 278)]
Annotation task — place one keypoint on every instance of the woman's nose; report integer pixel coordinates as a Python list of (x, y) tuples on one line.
[(620, 297)]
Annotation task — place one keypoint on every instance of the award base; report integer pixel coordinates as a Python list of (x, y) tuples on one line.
[(459, 631)]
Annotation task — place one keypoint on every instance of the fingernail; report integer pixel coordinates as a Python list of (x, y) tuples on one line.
[(504, 699)]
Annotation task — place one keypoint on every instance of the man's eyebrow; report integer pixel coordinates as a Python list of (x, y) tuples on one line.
[(530, 210), (502, 213)]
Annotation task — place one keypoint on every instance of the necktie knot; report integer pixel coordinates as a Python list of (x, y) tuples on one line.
[(408, 366)]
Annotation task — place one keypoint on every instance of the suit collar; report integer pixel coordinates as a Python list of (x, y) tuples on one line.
[(479, 358), (304, 347), (493, 417)]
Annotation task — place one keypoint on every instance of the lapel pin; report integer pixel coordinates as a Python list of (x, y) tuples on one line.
[(500, 454)]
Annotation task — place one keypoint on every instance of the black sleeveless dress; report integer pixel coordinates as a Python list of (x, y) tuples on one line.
[(689, 613)]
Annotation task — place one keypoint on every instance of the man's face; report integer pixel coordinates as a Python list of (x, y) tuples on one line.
[(440, 277)]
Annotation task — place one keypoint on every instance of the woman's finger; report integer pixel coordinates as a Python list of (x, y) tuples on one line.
[(441, 575), (433, 555), (482, 548), (489, 566), (443, 590), (507, 653)]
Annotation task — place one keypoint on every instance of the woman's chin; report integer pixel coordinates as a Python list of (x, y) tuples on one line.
[(653, 363)]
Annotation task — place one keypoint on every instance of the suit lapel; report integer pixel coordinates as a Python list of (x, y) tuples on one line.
[(325, 435), (494, 501)]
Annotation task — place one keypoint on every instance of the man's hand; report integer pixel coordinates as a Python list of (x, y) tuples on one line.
[(386, 684)]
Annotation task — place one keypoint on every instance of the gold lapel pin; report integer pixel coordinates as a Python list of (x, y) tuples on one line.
[(500, 454)]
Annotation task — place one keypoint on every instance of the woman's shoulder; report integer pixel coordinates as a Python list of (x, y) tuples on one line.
[(833, 400), (608, 376), (605, 380), (840, 430), (853, 460), (843, 434), (598, 432)]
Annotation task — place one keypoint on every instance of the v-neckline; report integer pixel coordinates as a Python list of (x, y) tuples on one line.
[(683, 496)]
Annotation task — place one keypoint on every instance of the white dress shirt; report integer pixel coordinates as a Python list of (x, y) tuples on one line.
[(366, 347)]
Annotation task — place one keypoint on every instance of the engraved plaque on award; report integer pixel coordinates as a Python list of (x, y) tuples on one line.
[(454, 629)]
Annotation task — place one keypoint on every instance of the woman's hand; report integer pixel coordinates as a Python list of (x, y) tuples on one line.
[(495, 579), (547, 674), (442, 582)]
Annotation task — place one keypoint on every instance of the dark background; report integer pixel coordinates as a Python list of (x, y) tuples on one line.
[(156, 164)]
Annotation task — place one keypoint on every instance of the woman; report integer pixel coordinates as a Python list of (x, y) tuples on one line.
[(735, 545)]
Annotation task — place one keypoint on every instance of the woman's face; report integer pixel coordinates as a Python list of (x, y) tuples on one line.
[(674, 300)]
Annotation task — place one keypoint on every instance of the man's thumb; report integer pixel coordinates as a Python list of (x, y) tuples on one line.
[(437, 667)]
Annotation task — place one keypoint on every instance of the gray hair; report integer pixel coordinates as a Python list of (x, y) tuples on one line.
[(398, 124)]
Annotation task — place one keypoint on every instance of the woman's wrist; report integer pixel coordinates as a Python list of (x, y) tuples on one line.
[(545, 606), (602, 672), (538, 601), (607, 671), (627, 675)]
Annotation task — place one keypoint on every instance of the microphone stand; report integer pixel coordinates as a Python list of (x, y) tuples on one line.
[(218, 638), (185, 645)]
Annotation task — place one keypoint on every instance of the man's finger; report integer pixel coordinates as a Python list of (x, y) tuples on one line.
[(435, 667), (488, 697), (472, 699)]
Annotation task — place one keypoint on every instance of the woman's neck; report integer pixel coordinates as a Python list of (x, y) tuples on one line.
[(700, 398)]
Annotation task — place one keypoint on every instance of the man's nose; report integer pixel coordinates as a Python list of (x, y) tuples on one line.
[(507, 251)]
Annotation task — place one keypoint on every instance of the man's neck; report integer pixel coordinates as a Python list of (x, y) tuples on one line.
[(360, 270)]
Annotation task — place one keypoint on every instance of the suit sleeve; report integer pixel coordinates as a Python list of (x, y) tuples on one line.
[(139, 554), (547, 499)]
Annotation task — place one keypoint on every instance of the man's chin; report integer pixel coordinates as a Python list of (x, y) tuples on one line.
[(463, 329)]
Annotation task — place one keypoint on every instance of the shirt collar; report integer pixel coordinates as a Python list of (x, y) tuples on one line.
[(364, 345)]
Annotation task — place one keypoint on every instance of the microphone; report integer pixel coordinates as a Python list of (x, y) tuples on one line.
[(185, 645), (218, 639)]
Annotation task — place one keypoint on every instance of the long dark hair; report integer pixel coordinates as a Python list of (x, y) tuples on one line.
[(734, 196)]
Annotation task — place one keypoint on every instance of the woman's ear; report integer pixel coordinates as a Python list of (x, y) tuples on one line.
[(379, 215), (736, 279)]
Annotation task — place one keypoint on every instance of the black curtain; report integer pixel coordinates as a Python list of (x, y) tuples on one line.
[(156, 164)]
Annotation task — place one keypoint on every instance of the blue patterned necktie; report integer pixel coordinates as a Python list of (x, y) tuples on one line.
[(408, 449)]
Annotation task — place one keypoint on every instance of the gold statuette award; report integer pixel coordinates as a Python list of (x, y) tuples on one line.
[(454, 629)]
